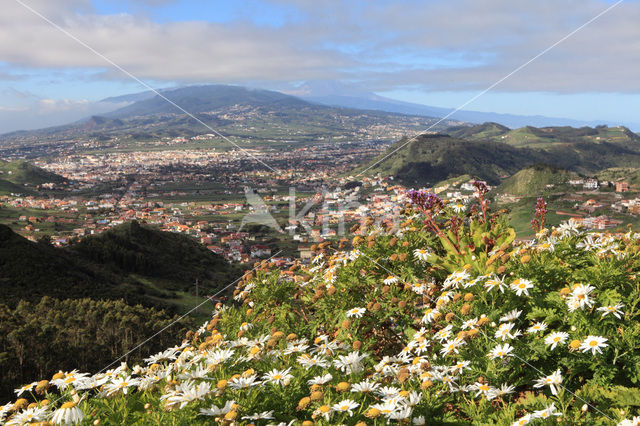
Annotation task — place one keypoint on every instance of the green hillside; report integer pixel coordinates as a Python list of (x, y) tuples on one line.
[(142, 250), (7, 188), (132, 262), (22, 172), (630, 175), (86, 299), (549, 137), (433, 158), (485, 131), (532, 181), (29, 271)]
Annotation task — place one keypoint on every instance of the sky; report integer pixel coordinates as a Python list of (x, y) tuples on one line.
[(432, 52)]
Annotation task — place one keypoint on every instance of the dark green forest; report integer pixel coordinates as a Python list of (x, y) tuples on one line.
[(39, 339), (84, 305)]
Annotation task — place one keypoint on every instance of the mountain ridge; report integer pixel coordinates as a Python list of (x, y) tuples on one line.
[(231, 111), (492, 152)]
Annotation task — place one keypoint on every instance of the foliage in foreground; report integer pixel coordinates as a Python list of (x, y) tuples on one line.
[(446, 320)]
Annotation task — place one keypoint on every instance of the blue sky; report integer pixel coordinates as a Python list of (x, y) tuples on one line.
[(433, 52)]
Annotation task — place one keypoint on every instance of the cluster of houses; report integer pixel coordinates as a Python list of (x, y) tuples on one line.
[(593, 184)]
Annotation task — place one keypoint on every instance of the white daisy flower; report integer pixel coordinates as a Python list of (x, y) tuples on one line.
[(25, 388), (320, 380), (422, 254), (546, 413), (511, 316), (356, 312), (593, 344), (345, 406), (551, 380), (351, 363), (215, 411), (521, 286), (555, 338), (278, 376), (365, 386), (612, 309), (391, 280), (429, 315), (536, 327), (495, 282), (68, 414), (265, 415), (501, 351)]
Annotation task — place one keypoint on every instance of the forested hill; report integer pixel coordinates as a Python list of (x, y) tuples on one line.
[(492, 152), (139, 249), (132, 262)]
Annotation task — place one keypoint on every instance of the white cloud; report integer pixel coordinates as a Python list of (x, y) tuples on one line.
[(40, 113), (451, 45)]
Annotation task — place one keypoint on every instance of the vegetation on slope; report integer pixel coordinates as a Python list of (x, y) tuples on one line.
[(22, 172), (7, 188), (485, 131), (532, 181), (445, 320), (117, 264), (142, 250), (29, 271), (432, 158), (548, 137), (629, 175), (37, 340)]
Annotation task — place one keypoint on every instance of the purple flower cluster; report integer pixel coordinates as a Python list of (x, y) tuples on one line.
[(541, 213), (425, 200), (481, 188)]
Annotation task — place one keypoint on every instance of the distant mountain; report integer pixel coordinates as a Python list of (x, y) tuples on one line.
[(234, 112), (202, 99), (131, 97), (118, 264), (491, 151), (341, 95)]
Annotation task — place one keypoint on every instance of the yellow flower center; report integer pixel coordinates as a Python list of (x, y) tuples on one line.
[(68, 404), (593, 343), (557, 339)]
